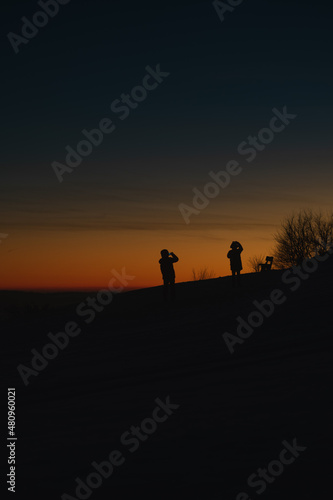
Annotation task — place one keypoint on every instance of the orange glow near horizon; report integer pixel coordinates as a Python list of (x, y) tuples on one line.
[(78, 246), (85, 260)]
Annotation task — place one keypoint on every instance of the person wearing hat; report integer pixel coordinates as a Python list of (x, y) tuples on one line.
[(235, 261), (168, 273)]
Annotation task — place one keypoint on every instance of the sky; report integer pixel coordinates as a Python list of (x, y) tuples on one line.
[(225, 75)]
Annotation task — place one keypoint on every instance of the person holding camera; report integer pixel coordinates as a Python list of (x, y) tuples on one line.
[(168, 274), (235, 261)]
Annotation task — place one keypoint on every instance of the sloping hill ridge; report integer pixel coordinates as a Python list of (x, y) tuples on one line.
[(235, 409)]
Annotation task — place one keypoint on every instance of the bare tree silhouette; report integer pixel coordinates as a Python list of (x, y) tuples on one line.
[(255, 261), (203, 274), (301, 236)]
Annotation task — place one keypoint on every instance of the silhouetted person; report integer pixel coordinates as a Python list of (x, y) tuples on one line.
[(235, 261), (168, 273)]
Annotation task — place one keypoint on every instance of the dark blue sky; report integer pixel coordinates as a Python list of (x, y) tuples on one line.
[(224, 77)]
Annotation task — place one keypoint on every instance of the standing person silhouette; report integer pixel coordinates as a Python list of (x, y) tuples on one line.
[(168, 274), (235, 261)]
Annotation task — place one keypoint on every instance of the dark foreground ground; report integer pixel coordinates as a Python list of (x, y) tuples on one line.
[(235, 410)]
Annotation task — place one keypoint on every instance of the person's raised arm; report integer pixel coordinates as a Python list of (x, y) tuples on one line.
[(240, 247), (174, 257)]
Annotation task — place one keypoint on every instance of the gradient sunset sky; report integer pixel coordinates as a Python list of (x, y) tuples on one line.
[(119, 207)]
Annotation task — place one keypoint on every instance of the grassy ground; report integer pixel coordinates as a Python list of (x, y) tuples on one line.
[(235, 410)]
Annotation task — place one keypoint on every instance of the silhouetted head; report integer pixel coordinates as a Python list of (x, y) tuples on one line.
[(233, 245), (164, 253)]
